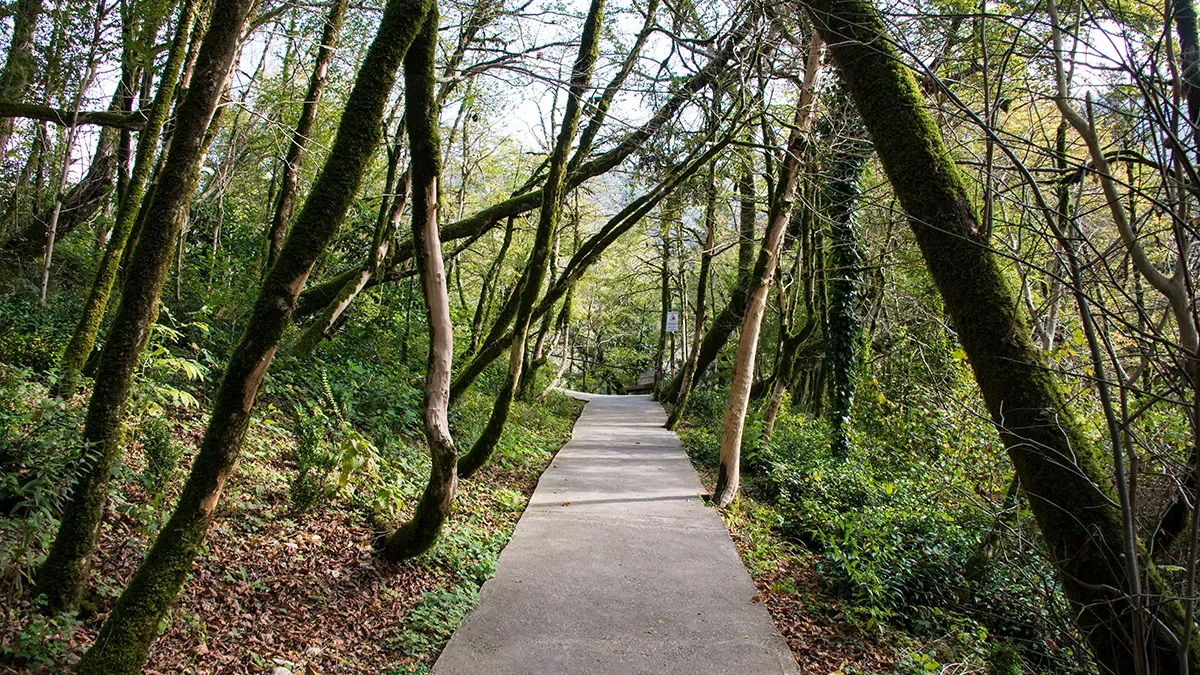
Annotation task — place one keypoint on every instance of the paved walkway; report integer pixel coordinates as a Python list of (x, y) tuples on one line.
[(617, 566)]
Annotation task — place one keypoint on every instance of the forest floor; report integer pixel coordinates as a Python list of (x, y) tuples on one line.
[(276, 593)]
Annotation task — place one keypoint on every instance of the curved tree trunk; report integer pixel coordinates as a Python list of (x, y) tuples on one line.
[(1059, 465), (535, 271), (127, 633), (419, 534), (64, 575), (729, 471)]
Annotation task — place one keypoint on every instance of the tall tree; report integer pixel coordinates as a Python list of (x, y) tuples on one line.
[(729, 472), (419, 534), (286, 199), (128, 631), (553, 190), (84, 337), (64, 575), (1058, 463), (19, 66)]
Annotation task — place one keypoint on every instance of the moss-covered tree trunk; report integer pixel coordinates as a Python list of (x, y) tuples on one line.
[(729, 470), (706, 256), (684, 378), (19, 66), (672, 210), (286, 200), (64, 575), (844, 331), (84, 337), (1059, 465), (127, 633), (747, 219), (535, 270), (488, 288), (419, 534)]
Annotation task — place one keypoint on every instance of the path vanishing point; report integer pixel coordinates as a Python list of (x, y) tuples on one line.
[(617, 567)]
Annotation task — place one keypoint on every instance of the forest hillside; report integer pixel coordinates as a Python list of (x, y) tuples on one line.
[(291, 292)]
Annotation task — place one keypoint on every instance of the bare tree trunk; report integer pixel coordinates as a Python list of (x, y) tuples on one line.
[(286, 199), (64, 575), (126, 635), (69, 150), (419, 534), (729, 472)]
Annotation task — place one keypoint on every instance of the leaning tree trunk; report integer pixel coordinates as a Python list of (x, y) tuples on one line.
[(68, 149), (706, 256), (552, 194), (18, 68), (321, 294), (419, 534), (285, 202), (84, 337), (64, 575), (729, 471), (1059, 464), (127, 633)]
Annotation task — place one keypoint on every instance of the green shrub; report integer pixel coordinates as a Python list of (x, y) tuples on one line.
[(309, 486), (162, 454), (42, 456)]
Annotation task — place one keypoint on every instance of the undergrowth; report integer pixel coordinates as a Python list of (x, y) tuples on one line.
[(903, 544)]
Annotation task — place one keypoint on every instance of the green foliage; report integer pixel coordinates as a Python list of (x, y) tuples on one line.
[(41, 458), (898, 526), (430, 624), (41, 642), (170, 365), (162, 454), (308, 487), (31, 337)]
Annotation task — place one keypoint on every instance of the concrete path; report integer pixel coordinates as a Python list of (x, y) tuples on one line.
[(617, 566)]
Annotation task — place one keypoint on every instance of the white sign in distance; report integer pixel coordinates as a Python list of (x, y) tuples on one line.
[(672, 322)]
